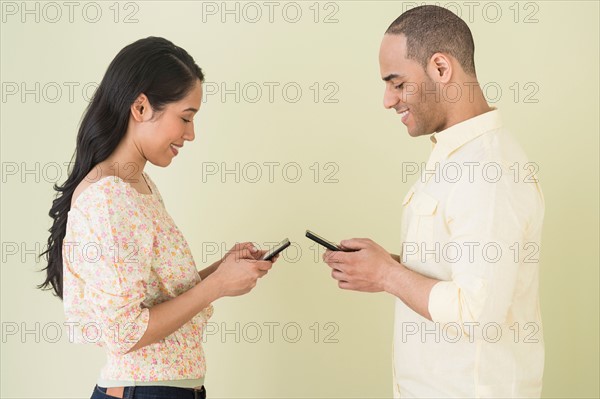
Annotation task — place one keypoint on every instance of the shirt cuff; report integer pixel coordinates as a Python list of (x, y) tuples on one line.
[(443, 302), (134, 332)]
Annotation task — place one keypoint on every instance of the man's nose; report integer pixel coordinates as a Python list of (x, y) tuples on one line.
[(389, 99)]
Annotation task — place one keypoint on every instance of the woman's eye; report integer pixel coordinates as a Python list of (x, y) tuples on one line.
[(186, 120)]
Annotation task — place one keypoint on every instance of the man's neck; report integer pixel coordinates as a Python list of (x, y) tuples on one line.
[(469, 106)]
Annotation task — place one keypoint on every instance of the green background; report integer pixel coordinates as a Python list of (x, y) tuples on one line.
[(544, 59)]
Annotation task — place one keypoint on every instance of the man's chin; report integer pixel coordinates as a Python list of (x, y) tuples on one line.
[(413, 132)]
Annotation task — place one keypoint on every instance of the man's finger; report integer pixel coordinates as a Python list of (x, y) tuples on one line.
[(355, 243), (337, 266), (333, 256), (338, 275)]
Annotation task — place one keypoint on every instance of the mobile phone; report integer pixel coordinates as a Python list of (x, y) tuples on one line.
[(326, 243), (277, 249)]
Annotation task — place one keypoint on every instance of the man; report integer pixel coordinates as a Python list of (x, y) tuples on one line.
[(467, 318)]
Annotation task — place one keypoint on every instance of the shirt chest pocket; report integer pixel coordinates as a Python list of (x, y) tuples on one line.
[(423, 208)]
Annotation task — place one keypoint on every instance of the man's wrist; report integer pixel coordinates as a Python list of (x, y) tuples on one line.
[(392, 276)]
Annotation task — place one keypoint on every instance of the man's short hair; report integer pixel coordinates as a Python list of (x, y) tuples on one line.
[(432, 29)]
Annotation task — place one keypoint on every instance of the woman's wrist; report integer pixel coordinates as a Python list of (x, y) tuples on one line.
[(204, 273), (210, 288)]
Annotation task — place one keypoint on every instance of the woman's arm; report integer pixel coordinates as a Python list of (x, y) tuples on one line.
[(204, 273), (237, 275), (167, 317)]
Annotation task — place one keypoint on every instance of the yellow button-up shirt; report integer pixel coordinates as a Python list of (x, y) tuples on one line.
[(474, 221)]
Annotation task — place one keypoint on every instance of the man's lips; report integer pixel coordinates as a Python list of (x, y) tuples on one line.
[(403, 114)]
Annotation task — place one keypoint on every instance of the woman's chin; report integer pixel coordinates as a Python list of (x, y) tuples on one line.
[(163, 162)]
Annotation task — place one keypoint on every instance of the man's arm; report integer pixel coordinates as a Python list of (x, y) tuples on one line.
[(411, 287), (373, 269), (482, 282)]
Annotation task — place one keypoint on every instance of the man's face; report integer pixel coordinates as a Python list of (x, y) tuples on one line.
[(409, 89)]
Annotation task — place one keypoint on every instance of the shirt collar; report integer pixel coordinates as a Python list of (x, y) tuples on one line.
[(457, 135), (449, 140)]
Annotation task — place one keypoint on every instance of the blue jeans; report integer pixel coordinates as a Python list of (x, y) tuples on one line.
[(152, 392)]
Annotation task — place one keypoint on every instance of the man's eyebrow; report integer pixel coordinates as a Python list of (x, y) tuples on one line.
[(392, 76)]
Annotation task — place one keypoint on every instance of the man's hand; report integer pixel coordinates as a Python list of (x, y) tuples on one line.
[(365, 270)]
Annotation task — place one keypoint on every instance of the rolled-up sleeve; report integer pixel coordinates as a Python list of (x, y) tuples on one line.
[(115, 244), (487, 221)]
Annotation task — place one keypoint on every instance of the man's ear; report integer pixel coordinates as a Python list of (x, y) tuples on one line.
[(440, 68), (141, 110)]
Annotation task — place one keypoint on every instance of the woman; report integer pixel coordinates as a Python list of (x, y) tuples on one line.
[(115, 256)]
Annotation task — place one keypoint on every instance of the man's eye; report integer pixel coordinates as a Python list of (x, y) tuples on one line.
[(400, 86)]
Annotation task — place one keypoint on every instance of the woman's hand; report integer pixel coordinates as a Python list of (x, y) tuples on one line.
[(204, 273), (256, 254), (240, 269)]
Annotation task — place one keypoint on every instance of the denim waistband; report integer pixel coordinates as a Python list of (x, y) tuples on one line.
[(158, 391)]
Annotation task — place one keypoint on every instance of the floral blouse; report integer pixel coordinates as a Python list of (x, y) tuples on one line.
[(123, 254)]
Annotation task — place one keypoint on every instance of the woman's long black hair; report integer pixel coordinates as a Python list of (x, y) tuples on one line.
[(165, 73)]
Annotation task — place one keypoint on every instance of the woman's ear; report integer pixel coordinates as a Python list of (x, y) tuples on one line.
[(440, 68), (141, 110)]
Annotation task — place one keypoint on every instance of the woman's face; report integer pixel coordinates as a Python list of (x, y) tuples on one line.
[(163, 135)]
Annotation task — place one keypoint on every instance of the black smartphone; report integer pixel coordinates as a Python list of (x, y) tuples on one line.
[(277, 249), (326, 243)]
